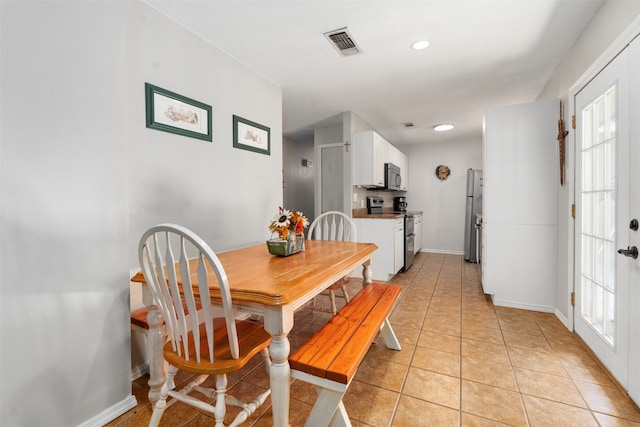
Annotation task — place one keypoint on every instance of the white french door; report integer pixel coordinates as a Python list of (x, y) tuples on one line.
[(633, 239), (603, 277)]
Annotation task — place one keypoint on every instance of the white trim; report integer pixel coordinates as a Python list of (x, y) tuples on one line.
[(318, 184), (623, 40), (619, 44), (564, 320), (111, 413), (532, 307), (442, 251)]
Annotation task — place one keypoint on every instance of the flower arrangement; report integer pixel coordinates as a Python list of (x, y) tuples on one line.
[(288, 221)]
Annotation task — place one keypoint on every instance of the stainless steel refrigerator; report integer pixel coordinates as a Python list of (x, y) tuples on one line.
[(473, 209)]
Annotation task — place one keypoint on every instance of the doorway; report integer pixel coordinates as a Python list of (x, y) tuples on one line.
[(605, 279), (330, 166)]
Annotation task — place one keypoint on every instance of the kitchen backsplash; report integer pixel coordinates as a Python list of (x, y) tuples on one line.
[(359, 198)]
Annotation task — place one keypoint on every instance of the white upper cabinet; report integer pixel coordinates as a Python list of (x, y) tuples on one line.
[(370, 155), (370, 152)]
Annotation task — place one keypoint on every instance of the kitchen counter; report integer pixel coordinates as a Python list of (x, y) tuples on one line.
[(386, 214)]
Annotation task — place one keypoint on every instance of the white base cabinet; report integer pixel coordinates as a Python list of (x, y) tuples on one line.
[(417, 230), (388, 235)]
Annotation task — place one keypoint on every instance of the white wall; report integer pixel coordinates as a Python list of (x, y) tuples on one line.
[(81, 177), (225, 194), (64, 212), (611, 20), (442, 202)]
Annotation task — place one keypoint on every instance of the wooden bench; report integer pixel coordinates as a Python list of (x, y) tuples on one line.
[(329, 359)]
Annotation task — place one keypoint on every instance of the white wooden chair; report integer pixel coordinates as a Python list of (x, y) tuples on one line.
[(192, 332), (333, 225)]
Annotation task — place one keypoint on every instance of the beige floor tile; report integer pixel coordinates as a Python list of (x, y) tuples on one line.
[(536, 361), (484, 350), (369, 404), (494, 374), (478, 333), (407, 319), (414, 412), (407, 334), (608, 399), (437, 361), (551, 387), (469, 420), (433, 387), (383, 373), (379, 351), (585, 368), (494, 403), (438, 341), (535, 342), (303, 391), (609, 421), (441, 326), (543, 413), (482, 321)]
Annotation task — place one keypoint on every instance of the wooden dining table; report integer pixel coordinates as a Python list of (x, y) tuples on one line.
[(273, 287)]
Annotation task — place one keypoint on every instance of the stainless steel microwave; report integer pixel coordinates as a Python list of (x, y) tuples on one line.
[(392, 180)]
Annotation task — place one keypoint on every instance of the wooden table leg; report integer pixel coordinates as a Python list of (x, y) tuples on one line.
[(278, 324), (155, 342)]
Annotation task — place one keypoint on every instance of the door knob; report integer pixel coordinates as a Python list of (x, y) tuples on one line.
[(630, 252)]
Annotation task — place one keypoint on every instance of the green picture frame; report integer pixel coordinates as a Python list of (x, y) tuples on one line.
[(248, 135), (170, 112)]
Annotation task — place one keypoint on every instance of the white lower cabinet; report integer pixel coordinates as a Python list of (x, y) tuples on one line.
[(417, 230), (388, 235), (398, 245)]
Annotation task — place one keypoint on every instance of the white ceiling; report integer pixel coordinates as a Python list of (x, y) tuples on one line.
[(483, 53)]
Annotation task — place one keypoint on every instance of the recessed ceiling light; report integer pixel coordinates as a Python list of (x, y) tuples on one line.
[(443, 127), (420, 45)]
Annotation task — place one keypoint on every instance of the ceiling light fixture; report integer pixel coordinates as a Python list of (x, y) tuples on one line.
[(420, 45), (442, 127)]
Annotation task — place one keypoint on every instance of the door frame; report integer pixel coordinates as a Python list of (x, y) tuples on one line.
[(318, 189), (618, 45)]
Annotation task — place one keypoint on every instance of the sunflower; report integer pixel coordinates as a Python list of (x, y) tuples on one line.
[(288, 221)]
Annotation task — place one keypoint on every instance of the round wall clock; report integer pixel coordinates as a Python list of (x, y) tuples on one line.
[(443, 172)]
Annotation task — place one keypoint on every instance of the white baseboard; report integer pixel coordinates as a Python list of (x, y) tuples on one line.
[(442, 251), (563, 319), (513, 304), (111, 413)]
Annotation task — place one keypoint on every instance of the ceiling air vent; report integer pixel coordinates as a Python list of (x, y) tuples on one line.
[(344, 43)]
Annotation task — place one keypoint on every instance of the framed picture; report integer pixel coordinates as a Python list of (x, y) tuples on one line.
[(251, 136), (169, 112)]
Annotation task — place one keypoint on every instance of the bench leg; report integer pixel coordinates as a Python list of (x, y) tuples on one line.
[(389, 336), (340, 418), (328, 410)]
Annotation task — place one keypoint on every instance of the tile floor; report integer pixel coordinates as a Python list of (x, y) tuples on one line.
[(464, 362)]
